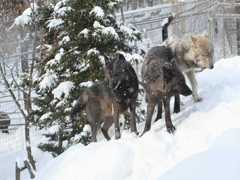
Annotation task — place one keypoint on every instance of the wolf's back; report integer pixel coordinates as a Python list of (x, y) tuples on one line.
[(98, 89), (156, 58)]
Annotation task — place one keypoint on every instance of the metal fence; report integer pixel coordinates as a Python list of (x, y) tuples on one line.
[(219, 19), (12, 135)]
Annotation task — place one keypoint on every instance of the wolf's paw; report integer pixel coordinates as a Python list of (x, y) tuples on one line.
[(157, 118), (197, 99), (171, 129), (136, 132), (117, 135), (176, 109)]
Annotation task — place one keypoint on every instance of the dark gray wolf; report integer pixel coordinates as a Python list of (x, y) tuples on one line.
[(4, 122), (162, 79), (124, 83), (106, 100)]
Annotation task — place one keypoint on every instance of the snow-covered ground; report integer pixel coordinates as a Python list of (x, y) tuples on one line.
[(205, 145), (198, 147), (220, 162), (12, 151)]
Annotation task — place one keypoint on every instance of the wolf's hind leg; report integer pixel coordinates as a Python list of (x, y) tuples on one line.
[(133, 118), (106, 125), (94, 132), (116, 122), (169, 125), (176, 104), (159, 110), (150, 110)]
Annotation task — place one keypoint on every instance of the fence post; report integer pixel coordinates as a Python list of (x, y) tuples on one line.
[(17, 171)]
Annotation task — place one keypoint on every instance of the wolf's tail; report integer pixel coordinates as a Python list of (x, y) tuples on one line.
[(77, 108)]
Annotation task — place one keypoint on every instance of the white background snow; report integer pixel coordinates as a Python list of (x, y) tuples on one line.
[(205, 145)]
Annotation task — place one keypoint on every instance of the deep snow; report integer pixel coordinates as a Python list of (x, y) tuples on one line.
[(159, 155), (220, 162)]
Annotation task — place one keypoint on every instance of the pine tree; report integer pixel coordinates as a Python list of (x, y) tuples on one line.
[(81, 33)]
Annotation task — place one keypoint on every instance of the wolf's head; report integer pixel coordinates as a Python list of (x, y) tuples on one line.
[(116, 71), (175, 80), (201, 52), (122, 78)]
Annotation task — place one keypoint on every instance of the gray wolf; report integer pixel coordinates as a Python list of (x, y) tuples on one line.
[(162, 79), (100, 107), (106, 100)]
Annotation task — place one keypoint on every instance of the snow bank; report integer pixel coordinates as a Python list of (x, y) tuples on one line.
[(105, 163), (219, 162), (154, 154)]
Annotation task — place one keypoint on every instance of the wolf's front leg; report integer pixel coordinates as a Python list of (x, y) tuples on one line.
[(159, 110), (150, 109), (133, 118), (193, 81), (168, 121), (116, 122)]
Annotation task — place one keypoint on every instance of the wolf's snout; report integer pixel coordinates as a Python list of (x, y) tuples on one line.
[(211, 66)]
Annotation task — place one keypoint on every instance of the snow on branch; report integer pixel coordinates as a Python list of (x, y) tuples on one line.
[(110, 31), (55, 23), (86, 84), (48, 81), (26, 17), (97, 12), (63, 90)]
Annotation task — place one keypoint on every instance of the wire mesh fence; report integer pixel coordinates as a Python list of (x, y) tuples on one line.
[(11, 120), (220, 20), (12, 131)]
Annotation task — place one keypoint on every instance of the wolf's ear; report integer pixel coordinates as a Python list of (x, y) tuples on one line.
[(121, 57), (168, 66), (194, 39), (107, 59), (206, 35)]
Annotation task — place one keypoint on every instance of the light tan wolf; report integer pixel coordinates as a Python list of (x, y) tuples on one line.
[(191, 52)]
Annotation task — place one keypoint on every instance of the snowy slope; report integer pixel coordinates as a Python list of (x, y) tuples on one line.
[(220, 162), (151, 156)]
